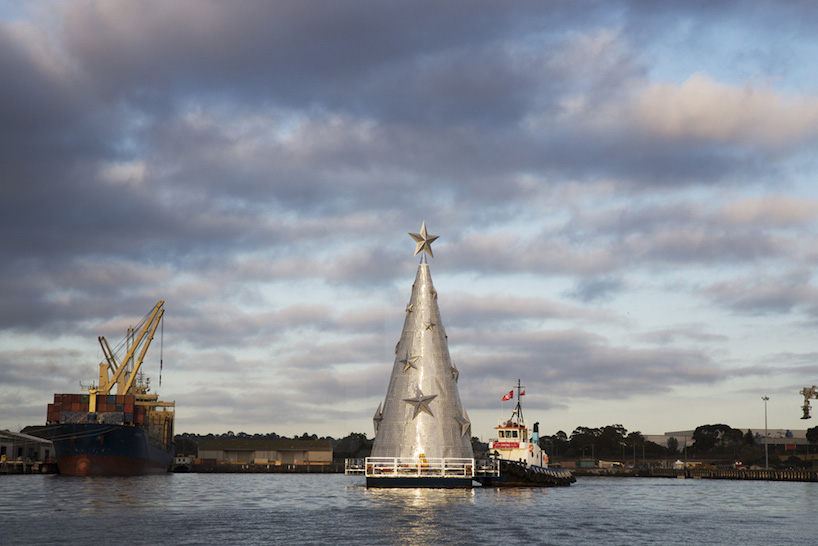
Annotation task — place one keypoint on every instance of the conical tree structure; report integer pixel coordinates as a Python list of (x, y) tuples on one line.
[(422, 413)]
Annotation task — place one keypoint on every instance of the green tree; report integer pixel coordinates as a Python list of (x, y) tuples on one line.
[(354, 446), (186, 444), (812, 435), (716, 440), (611, 441), (583, 441), (556, 445)]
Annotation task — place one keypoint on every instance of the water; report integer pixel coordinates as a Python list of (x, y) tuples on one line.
[(331, 508)]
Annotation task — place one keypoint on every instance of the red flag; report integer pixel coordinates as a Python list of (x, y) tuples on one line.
[(522, 392), (509, 396)]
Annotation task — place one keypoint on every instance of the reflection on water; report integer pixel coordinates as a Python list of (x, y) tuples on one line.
[(420, 499), (415, 515), (317, 509), (101, 492)]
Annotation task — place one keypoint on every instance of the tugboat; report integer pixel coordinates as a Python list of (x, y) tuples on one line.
[(522, 463)]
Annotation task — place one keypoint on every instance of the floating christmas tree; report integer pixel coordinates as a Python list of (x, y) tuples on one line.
[(422, 415)]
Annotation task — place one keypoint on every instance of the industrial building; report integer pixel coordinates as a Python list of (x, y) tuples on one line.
[(277, 452), (16, 445), (783, 440)]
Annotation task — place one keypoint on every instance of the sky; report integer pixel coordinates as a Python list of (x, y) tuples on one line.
[(624, 194)]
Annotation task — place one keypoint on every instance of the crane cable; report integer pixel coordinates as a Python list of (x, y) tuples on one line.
[(161, 348)]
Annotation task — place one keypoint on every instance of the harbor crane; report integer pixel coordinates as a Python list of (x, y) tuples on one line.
[(808, 392)]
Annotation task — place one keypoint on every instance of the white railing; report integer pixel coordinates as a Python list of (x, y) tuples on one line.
[(487, 467), (407, 467), (354, 466), (391, 466)]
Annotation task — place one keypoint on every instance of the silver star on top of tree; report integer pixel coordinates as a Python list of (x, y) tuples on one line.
[(409, 362), (421, 403), (424, 241)]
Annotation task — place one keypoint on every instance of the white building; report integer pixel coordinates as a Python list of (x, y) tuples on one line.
[(16, 445), (261, 451)]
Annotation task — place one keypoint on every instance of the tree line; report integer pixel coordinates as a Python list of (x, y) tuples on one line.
[(717, 442), (355, 445), (614, 442)]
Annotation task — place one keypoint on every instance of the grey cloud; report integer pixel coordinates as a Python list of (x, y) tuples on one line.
[(575, 363), (596, 289), (466, 311), (210, 154), (684, 332), (771, 295)]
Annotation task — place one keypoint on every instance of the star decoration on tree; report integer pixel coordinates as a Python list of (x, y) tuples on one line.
[(429, 325), (455, 372), (409, 362), (423, 240), (378, 417), (421, 403), (409, 308), (464, 423)]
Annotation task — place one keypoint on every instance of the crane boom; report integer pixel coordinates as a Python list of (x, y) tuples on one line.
[(808, 392), (118, 376), (122, 377), (154, 323)]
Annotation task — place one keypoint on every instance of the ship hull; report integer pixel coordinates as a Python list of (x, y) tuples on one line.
[(107, 450), (515, 474)]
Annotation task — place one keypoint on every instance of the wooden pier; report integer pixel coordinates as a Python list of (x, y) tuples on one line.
[(781, 475), (23, 466)]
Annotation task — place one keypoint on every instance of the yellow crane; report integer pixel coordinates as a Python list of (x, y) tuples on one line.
[(124, 373), (808, 392)]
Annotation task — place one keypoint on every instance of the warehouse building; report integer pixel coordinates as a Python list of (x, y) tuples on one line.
[(278, 451), (16, 445)]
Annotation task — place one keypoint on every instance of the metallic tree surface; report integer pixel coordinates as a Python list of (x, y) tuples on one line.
[(422, 413)]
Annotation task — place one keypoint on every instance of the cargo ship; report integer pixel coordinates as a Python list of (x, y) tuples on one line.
[(118, 428)]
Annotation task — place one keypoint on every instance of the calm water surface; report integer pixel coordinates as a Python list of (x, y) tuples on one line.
[(331, 508)]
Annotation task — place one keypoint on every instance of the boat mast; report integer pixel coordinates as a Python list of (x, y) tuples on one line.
[(518, 410)]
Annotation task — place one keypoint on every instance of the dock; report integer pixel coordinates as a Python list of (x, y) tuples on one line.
[(779, 475), (23, 466)]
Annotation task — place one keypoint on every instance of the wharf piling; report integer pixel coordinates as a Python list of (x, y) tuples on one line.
[(786, 475), (24, 466)]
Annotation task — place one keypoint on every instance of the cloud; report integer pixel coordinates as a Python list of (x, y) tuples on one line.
[(772, 210), (257, 166), (682, 333), (704, 109), (596, 288), (575, 363), (780, 294)]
